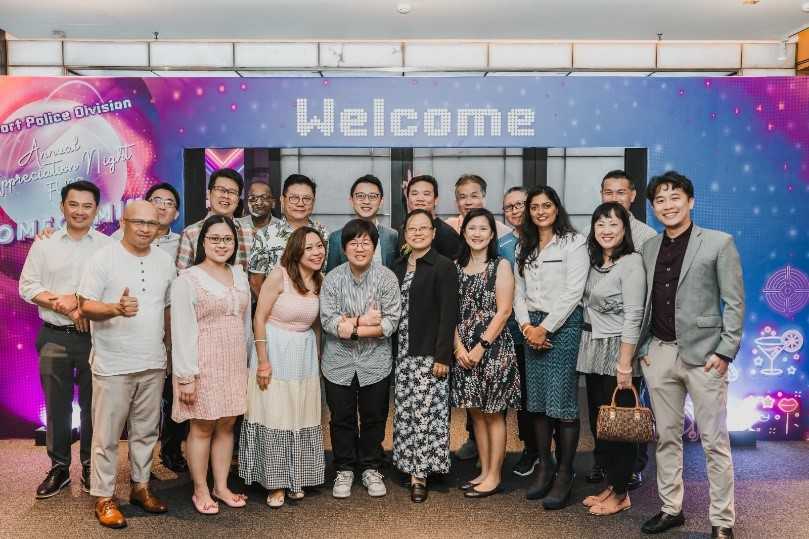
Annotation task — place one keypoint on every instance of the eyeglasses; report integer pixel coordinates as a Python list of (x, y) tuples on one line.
[(259, 198), (216, 240), (365, 244), (362, 197), (419, 230), (297, 199), (164, 202), (142, 223), (517, 206), (225, 191)]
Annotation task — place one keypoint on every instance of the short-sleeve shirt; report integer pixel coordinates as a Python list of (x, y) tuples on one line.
[(271, 241), (125, 345)]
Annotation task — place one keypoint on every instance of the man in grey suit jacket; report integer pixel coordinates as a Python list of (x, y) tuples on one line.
[(691, 331), (366, 198)]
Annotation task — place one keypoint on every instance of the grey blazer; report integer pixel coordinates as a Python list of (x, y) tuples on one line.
[(709, 309)]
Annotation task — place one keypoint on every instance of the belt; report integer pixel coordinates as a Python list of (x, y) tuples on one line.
[(70, 328)]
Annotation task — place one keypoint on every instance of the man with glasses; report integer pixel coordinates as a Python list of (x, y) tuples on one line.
[(225, 187), (470, 193), (260, 204), (49, 280), (359, 311), (125, 292), (166, 200), (366, 198), (297, 205)]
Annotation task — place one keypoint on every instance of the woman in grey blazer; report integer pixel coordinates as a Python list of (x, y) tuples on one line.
[(613, 311)]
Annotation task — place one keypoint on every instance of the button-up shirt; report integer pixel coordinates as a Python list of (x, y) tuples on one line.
[(553, 282), (188, 243), (56, 265), (270, 242), (247, 220), (664, 284), (370, 359), (640, 232), (169, 243)]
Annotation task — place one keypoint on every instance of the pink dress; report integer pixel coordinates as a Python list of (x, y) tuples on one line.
[(221, 347)]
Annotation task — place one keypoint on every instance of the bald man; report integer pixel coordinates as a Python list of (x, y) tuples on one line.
[(125, 294)]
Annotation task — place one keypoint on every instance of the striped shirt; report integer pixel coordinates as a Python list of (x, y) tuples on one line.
[(371, 359), (188, 243)]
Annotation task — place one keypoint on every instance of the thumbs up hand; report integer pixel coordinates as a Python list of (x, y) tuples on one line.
[(127, 305)]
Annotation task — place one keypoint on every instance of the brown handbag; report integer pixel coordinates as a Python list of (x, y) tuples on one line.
[(619, 424)]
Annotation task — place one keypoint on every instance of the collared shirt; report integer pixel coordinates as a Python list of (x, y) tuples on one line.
[(553, 282), (56, 265), (664, 284), (640, 232), (124, 345), (247, 220), (188, 243), (170, 242), (371, 359), (270, 242)]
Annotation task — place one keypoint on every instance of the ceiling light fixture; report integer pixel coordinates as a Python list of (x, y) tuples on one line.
[(805, 7), (403, 8), (750, 2)]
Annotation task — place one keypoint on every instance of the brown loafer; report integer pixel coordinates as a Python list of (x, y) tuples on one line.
[(109, 514), (143, 498)]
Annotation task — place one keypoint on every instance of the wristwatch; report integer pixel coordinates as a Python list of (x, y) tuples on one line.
[(354, 335), (484, 343)]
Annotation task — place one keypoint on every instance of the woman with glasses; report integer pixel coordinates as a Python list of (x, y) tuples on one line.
[(281, 443), (210, 331), (429, 288), (552, 266)]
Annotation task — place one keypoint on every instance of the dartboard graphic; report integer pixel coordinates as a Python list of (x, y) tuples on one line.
[(787, 290)]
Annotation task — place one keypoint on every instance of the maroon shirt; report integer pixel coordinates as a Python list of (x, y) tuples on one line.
[(664, 284)]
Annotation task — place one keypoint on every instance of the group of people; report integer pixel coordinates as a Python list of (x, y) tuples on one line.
[(246, 314)]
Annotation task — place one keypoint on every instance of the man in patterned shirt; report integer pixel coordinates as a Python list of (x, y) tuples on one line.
[(297, 205), (225, 187)]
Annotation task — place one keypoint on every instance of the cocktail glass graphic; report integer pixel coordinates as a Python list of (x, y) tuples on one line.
[(771, 346)]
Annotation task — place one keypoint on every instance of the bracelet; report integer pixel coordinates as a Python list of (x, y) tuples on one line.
[(259, 340), (619, 371)]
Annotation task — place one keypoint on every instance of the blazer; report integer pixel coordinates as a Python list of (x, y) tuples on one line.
[(388, 245), (433, 307), (709, 305)]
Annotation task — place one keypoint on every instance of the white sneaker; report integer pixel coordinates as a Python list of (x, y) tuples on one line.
[(372, 480), (342, 484)]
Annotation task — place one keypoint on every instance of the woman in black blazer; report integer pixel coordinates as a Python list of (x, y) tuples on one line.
[(429, 284)]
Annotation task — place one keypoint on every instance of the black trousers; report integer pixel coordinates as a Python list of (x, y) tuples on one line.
[(617, 458), (172, 433), (358, 446), (63, 363)]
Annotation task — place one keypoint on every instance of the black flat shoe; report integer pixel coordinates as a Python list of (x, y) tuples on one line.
[(85, 479), (174, 461), (635, 481), (474, 493), (662, 522), (469, 485), (418, 492), (559, 496), (596, 475), (721, 533), (57, 479)]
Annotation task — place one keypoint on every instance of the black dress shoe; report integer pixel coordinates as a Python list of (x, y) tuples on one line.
[(721, 533), (635, 481), (662, 522), (418, 492), (57, 479), (596, 475), (174, 461), (474, 493), (85, 478), (469, 485), (546, 472), (559, 496)]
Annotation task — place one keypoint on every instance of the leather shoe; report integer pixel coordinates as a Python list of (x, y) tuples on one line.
[(635, 481), (174, 461), (58, 478), (143, 498), (721, 533), (418, 492), (109, 514), (596, 475), (474, 493), (559, 495), (85, 478), (469, 485), (662, 522)]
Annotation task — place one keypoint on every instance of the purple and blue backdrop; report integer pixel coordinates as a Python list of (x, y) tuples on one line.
[(744, 142)]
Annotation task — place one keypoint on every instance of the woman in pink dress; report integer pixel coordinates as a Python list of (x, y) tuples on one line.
[(281, 444), (210, 333)]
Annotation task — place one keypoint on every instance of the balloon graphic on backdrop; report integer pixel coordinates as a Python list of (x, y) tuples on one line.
[(44, 158)]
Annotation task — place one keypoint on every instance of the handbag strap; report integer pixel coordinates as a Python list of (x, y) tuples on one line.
[(634, 392)]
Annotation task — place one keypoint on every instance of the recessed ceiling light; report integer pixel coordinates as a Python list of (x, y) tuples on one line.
[(403, 8), (750, 2)]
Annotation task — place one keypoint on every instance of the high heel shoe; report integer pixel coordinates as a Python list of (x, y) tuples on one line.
[(559, 496), (544, 481)]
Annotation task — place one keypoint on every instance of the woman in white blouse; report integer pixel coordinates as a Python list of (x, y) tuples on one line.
[(552, 265), (210, 333)]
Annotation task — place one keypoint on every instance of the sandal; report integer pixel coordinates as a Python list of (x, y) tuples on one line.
[(211, 508), (274, 501), (295, 495), (596, 499), (600, 511), (236, 501)]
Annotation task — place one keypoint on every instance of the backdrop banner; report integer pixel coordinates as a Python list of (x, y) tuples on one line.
[(743, 141)]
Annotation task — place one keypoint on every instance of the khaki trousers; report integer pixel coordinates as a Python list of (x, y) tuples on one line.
[(126, 399), (669, 380)]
